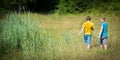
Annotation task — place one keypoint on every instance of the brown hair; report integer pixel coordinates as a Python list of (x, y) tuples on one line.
[(103, 18), (88, 18)]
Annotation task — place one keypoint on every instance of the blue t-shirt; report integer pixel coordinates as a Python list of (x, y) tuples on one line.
[(104, 31)]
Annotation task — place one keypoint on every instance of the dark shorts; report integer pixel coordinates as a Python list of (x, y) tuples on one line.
[(103, 40), (87, 39)]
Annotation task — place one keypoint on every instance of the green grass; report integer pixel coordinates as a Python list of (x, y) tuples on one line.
[(32, 36)]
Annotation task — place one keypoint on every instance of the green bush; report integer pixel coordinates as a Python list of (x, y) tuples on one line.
[(79, 6), (73, 6)]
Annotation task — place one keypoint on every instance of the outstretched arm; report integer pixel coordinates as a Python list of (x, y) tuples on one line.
[(100, 31), (81, 31)]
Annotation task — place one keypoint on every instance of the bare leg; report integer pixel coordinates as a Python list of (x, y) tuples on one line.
[(105, 46), (88, 47), (101, 46)]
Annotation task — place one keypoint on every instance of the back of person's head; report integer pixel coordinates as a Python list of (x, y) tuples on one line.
[(103, 19), (88, 18)]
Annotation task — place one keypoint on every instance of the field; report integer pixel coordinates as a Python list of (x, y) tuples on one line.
[(33, 36)]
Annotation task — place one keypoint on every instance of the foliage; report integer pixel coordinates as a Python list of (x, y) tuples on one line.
[(22, 33), (78, 6), (72, 6), (32, 36), (61, 6)]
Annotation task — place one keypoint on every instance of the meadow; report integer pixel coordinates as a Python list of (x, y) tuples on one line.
[(34, 36)]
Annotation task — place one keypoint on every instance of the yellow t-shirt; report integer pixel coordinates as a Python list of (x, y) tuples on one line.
[(88, 27)]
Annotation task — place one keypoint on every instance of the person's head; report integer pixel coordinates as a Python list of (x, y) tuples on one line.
[(88, 18), (102, 19)]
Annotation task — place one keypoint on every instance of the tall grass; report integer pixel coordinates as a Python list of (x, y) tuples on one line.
[(22, 33), (54, 37)]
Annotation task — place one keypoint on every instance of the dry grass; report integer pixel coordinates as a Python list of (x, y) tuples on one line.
[(64, 43)]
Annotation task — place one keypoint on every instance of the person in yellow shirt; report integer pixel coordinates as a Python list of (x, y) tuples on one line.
[(87, 27)]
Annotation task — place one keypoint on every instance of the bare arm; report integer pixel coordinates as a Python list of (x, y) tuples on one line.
[(100, 31), (81, 31)]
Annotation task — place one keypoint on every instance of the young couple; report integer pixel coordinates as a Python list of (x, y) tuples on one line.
[(87, 27)]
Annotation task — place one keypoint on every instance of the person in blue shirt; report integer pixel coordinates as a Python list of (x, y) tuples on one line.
[(103, 34)]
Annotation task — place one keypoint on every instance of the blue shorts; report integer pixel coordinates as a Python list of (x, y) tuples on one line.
[(103, 40), (87, 39)]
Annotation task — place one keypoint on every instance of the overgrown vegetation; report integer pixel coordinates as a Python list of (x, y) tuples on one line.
[(54, 37), (35, 36), (61, 6), (21, 32)]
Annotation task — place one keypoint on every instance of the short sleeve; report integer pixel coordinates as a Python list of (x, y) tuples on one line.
[(83, 26), (102, 24), (92, 26)]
